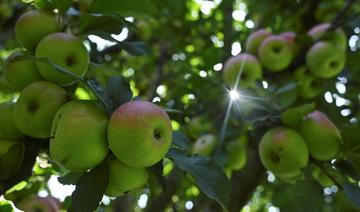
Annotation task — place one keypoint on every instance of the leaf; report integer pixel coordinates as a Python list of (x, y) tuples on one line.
[(353, 193), (168, 110), (5, 206), (306, 195), (208, 175), (124, 7), (70, 178), (101, 94), (119, 91), (90, 189), (285, 95), (347, 168), (180, 140), (11, 162), (135, 48), (62, 5), (156, 172), (99, 23), (351, 145)]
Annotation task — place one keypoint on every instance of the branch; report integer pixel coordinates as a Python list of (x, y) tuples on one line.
[(316, 163), (340, 17), (227, 9)]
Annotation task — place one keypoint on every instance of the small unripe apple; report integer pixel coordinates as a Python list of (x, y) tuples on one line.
[(292, 117), (204, 145), (324, 60), (321, 135), (33, 25), (124, 179), (321, 177), (78, 141), (290, 38), (284, 152), (236, 152), (254, 40), (293, 179), (336, 37), (139, 133), (310, 87), (275, 53), (65, 50), (20, 73), (243, 66), (198, 126), (8, 129), (36, 107), (38, 204)]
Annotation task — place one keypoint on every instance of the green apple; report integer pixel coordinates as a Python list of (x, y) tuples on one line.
[(11, 157), (245, 66), (324, 60), (284, 152), (124, 178), (236, 152), (38, 204), (78, 135), (254, 40), (293, 179), (321, 135), (204, 145), (36, 107), (293, 116), (310, 87), (336, 37), (275, 53), (290, 38), (321, 177), (20, 73), (33, 25), (139, 133), (8, 129), (198, 126), (65, 50)]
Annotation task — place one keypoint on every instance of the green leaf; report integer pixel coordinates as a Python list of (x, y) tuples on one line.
[(285, 95), (101, 94), (156, 173), (98, 24), (180, 140), (347, 168), (351, 145), (62, 5), (70, 178), (124, 7), (208, 175), (135, 48), (11, 161), (90, 189), (119, 91), (293, 116), (5, 207), (353, 193)]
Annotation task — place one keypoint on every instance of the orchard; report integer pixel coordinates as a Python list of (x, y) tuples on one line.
[(187, 105)]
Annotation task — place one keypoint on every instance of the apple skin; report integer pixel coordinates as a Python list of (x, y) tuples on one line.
[(36, 107), (275, 53), (8, 129), (321, 135), (248, 66), (33, 25), (78, 135), (65, 50), (236, 152), (321, 177), (284, 152), (38, 204), (324, 60), (290, 38), (124, 178), (143, 125), (21, 73), (254, 40), (197, 126), (292, 117), (310, 87), (204, 145), (337, 36)]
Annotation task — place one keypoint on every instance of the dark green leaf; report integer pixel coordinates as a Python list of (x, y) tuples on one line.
[(70, 178), (173, 111), (180, 140), (351, 145), (101, 94), (208, 175), (135, 48), (62, 5), (90, 189), (124, 7), (347, 168), (99, 23), (156, 172), (285, 95), (5, 207), (11, 161), (119, 91), (353, 193)]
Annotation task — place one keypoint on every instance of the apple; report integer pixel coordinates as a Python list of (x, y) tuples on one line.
[(254, 40), (65, 50), (321, 135), (139, 133), (275, 53), (20, 73), (197, 126), (204, 145), (293, 116), (38, 204), (8, 129), (78, 135), (310, 87), (11, 157), (245, 66), (321, 177), (33, 25), (324, 60), (36, 107), (290, 38), (124, 179), (236, 152), (284, 152), (336, 37), (293, 179)]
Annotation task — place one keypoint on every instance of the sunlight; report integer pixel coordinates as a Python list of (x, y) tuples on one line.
[(234, 95)]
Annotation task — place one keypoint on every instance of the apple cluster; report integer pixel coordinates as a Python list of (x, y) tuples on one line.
[(81, 133), (275, 53)]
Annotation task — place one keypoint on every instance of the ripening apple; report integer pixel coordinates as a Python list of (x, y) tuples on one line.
[(204, 145), (139, 133), (243, 66), (20, 73), (33, 25), (65, 50), (8, 129), (78, 135), (254, 40), (36, 107), (321, 135), (290, 38), (324, 60), (321, 177), (336, 37), (11, 157), (197, 126), (275, 53), (236, 152), (284, 152), (38, 204), (124, 179)]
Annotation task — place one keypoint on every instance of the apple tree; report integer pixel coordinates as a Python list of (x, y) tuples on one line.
[(163, 105)]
